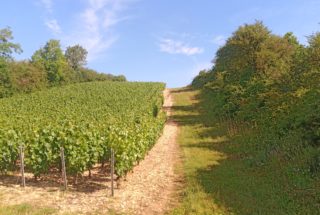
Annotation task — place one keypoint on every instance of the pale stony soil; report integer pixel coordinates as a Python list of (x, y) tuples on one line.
[(150, 188)]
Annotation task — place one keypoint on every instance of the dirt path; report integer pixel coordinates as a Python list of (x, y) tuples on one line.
[(148, 189)]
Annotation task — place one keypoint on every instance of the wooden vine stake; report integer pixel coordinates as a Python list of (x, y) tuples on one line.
[(64, 172), (112, 172), (23, 179)]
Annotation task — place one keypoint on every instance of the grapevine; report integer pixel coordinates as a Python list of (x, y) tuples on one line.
[(87, 120)]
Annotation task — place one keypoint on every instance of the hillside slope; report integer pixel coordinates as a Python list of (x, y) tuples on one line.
[(220, 176)]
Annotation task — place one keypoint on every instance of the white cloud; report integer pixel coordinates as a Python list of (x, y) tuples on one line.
[(47, 5), (219, 40), (93, 28), (97, 4), (177, 47), (93, 41), (53, 26), (112, 19)]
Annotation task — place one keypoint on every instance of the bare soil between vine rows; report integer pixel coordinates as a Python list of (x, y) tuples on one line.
[(151, 188)]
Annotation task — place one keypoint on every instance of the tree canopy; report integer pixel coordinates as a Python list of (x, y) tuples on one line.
[(48, 66), (52, 59), (76, 56), (7, 48)]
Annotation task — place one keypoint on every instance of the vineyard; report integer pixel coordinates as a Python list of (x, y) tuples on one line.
[(87, 120)]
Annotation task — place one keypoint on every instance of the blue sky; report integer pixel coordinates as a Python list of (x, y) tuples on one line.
[(150, 40)]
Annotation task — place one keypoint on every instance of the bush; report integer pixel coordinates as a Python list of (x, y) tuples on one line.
[(204, 77), (26, 78), (272, 83)]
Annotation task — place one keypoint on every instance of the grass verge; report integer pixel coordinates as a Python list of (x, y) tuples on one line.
[(218, 179), (25, 209)]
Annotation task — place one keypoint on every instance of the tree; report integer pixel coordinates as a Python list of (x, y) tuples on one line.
[(314, 51), (239, 55), (7, 47), (76, 56), (275, 58), (51, 59)]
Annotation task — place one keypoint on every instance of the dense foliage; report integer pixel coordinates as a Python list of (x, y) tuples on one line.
[(49, 66), (269, 87), (86, 119)]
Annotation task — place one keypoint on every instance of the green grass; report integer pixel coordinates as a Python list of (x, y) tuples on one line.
[(28, 209), (25, 209), (217, 179)]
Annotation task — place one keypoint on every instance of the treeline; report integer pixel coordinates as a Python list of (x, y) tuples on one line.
[(268, 86), (49, 66)]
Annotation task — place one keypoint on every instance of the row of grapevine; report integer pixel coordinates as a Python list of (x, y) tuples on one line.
[(87, 120)]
